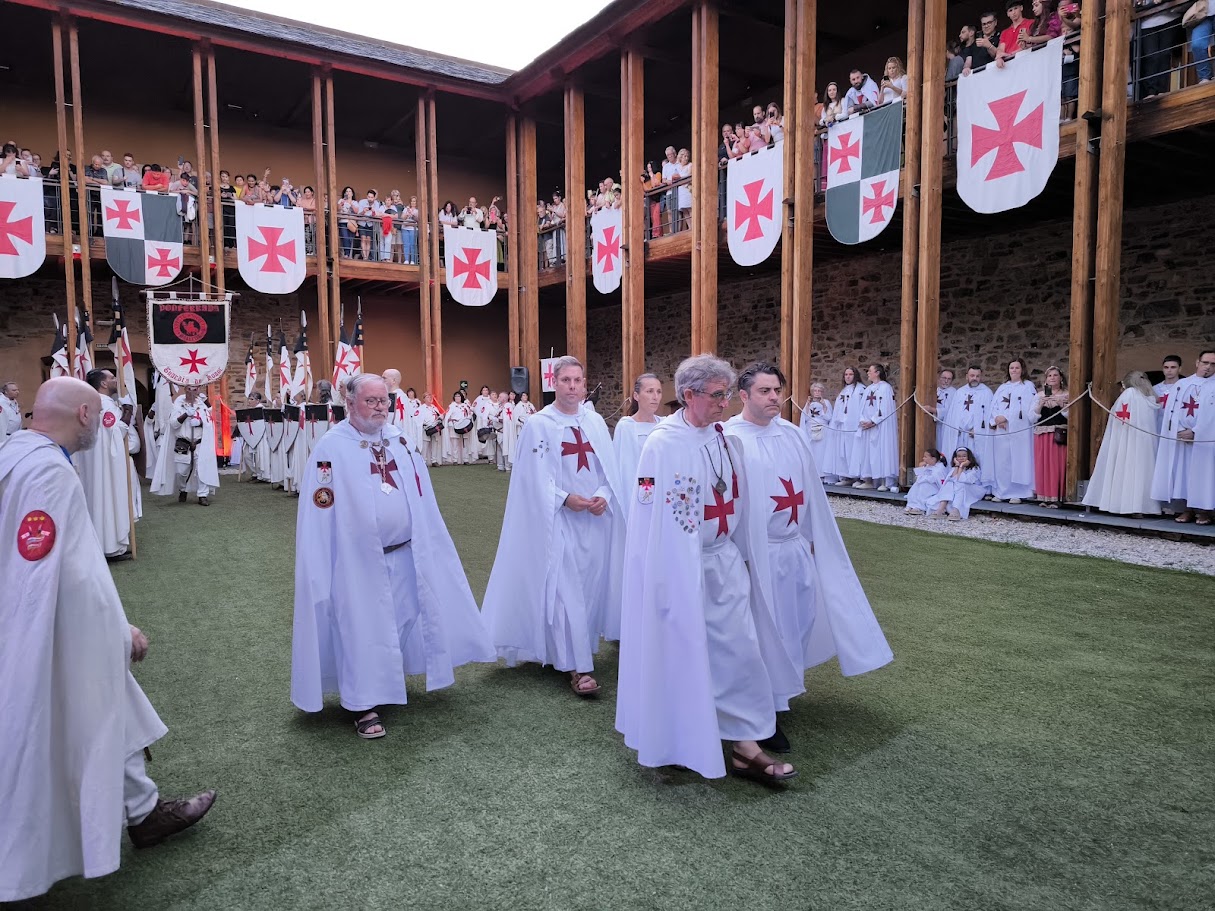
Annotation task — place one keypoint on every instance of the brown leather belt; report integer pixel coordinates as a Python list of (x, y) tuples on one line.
[(391, 547)]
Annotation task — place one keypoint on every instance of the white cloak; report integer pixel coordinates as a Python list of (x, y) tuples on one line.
[(1164, 391), (432, 445), (1011, 463), (196, 426), (156, 423), (410, 422), (665, 706), (815, 421), (108, 477), (483, 408), (945, 436), (1122, 477), (10, 418), (841, 437), (345, 635), (961, 492), (840, 621), (507, 429), (967, 420), (928, 481), (523, 411), (1200, 482), (460, 413), (628, 439), (521, 597), (72, 711), (875, 454), (1171, 473)]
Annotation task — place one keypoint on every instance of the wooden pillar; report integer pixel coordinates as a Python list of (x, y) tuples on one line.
[(217, 209), (528, 265), (514, 343), (200, 155), (908, 349), (1107, 292), (427, 267), (330, 177), (802, 250), (632, 138), (929, 279), (789, 204), (704, 176), (1084, 241), (65, 191), (436, 287), (575, 223), (330, 318), (86, 280)]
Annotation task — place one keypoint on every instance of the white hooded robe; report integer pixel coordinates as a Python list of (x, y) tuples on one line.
[(1122, 477)]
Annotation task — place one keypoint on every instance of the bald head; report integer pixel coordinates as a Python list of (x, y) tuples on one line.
[(392, 378), (68, 411)]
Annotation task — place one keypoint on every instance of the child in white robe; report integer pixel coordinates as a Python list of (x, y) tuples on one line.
[(928, 480), (963, 487)]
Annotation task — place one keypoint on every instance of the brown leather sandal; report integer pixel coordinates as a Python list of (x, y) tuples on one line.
[(757, 766), (576, 682)]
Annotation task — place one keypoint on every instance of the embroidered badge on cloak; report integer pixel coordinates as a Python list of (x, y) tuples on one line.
[(684, 499), (645, 490), (324, 473), (35, 535), (108, 419), (323, 498)]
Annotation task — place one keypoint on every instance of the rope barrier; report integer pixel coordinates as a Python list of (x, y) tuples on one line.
[(1159, 436)]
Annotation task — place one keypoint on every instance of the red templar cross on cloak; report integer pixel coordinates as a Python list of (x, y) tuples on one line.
[(124, 213), (385, 470), (751, 211), (608, 249), (877, 202), (871, 398), (163, 264), (968, 401), (1190, 405), (1009, 130), (472, 270), (21, 228), (1123, 413), (843, 153), (274, 251), (721, 510), (193, 361), (791, 500), (580, 448)]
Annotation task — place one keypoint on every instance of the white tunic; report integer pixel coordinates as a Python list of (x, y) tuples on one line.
[(967, 420), (960, 491), (628, 439), (945, 436), (1122, 477), (10, 417), (1163, 392), (1011, 462), (1170, 477), (460, 447), (841, 437), (432, 444), (1200, 482), (815, 422), (197, 428), (928, 481), (107, 475), (507, 430), (875, 454)]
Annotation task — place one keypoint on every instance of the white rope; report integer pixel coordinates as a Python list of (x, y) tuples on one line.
[(986, 432), (1159, 436)]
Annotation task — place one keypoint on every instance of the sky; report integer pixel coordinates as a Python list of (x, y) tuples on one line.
[(505, 33)]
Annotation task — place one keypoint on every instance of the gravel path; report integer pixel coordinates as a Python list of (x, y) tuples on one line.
[(1090, 542)]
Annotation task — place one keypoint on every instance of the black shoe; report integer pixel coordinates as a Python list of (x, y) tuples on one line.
[(778, 742), (181, 496), (170, 817), (119, 558)]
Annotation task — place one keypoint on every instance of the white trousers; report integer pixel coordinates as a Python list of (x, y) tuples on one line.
[(194, 485), (139, 792)]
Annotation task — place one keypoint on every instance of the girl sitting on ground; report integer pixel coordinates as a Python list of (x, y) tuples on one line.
[(963, 487), (928, 480)]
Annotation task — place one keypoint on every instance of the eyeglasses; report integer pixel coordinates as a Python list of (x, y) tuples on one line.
[(373, 402), (723, 395)]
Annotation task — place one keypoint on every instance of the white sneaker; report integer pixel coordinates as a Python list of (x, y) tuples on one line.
[(863, 485), (1015, 501), (883, 488)]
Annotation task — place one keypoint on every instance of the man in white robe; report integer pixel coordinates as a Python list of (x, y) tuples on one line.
[(820, 608), (410, 423), (111, 485), (75, 722), (875, 454), (156, 423), (10, 410), (1175, 451), (397, 406), (945, 392), (507, 432), (564, 509), (1122, 476), (701, 657), (187, 462), (1171, 367), (966, 418), (379, 589), (430, 418), (1012, 443), (1199, 433)]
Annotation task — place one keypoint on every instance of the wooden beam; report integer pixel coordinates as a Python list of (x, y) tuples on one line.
[(86, 279), (335, 279), (1111, 173), (704, 176), (527, 269), (632, 297), (575, 223), (201, 226), (908, 349), (330, 318), (217, 210), (65, 192), (804, 177), (789, 224), (1084, 242), (931, 184), (436, 288), (513, 335), (428, 268)]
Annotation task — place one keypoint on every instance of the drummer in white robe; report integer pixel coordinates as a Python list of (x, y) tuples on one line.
[(379, 589), (820, 608), (875, 454), (845, 418), (1122, 477), (1198, 420), (483, 406), (75, 722), (564, 506), (633, 429), (966, 418), (815, 422), (701, 658), (1012, 418), (431, 420), (410, 424), (187, 462), (108, 474)]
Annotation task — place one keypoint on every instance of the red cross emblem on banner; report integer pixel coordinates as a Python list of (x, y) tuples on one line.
[(579, 448), (1009, 130), (877, 202), (843, 153), (549, 376), (721, 510), (123, 212), (751, 211), (21, 228), (274, 251), (341, 365), (162, 263), (790, 500), (193, 361), (472, 270), (608, 249), (1123, 413)]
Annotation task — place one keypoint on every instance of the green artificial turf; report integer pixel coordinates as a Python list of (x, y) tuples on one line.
[(1043, 740)]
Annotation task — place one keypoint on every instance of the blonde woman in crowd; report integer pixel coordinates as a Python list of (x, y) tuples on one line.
[(632, 429)]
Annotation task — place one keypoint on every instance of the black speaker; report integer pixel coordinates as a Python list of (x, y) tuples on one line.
[(520, 382)]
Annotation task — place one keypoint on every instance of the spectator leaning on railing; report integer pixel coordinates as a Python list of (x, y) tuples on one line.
[(1200, 20), (862, 95), (894, 82), (1161, 31)]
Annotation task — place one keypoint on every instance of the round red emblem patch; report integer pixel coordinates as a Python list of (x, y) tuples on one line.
[(190, 327), (108, 419), (35, 535), (323, 498)]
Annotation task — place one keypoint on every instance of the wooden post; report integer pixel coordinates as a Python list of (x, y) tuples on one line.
[(514, 342), (330, 178), (329, 318), (428, 269), (908, 353), (803, 234), (789, 203), (1084, 241), (1112, 169), (200, 152), (704, 176), (217, 209), (575, 223), (528, 266), (632, 138), (86, 278), (436, 287), (931, 167), (65, 193)]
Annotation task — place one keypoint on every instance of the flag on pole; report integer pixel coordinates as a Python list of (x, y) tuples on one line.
[(59, 359), (286, 389), (862, 161), (250, 370), (84, 346), (346, 364), (302, 381), (357, 344), (269, 364), (120, 343)]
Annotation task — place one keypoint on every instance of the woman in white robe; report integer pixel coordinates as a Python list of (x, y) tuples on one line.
[(962, 489), (845, 419), (523, 410), (432, 443), (507, 432), (1011, 467), (460, 448), (815, 423), (1122, 477), (928, 480), (633, 429)]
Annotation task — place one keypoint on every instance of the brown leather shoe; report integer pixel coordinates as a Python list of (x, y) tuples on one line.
[(181, 496), (203, 501), (171, 817)]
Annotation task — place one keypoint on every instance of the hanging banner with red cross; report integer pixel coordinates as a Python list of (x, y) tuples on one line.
[(548, 380), (22, 228), (754, 189), (1008, 129), (270, 247), (471, 261), (607, 259), (142, 236), (188, 336), (862, 159)]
